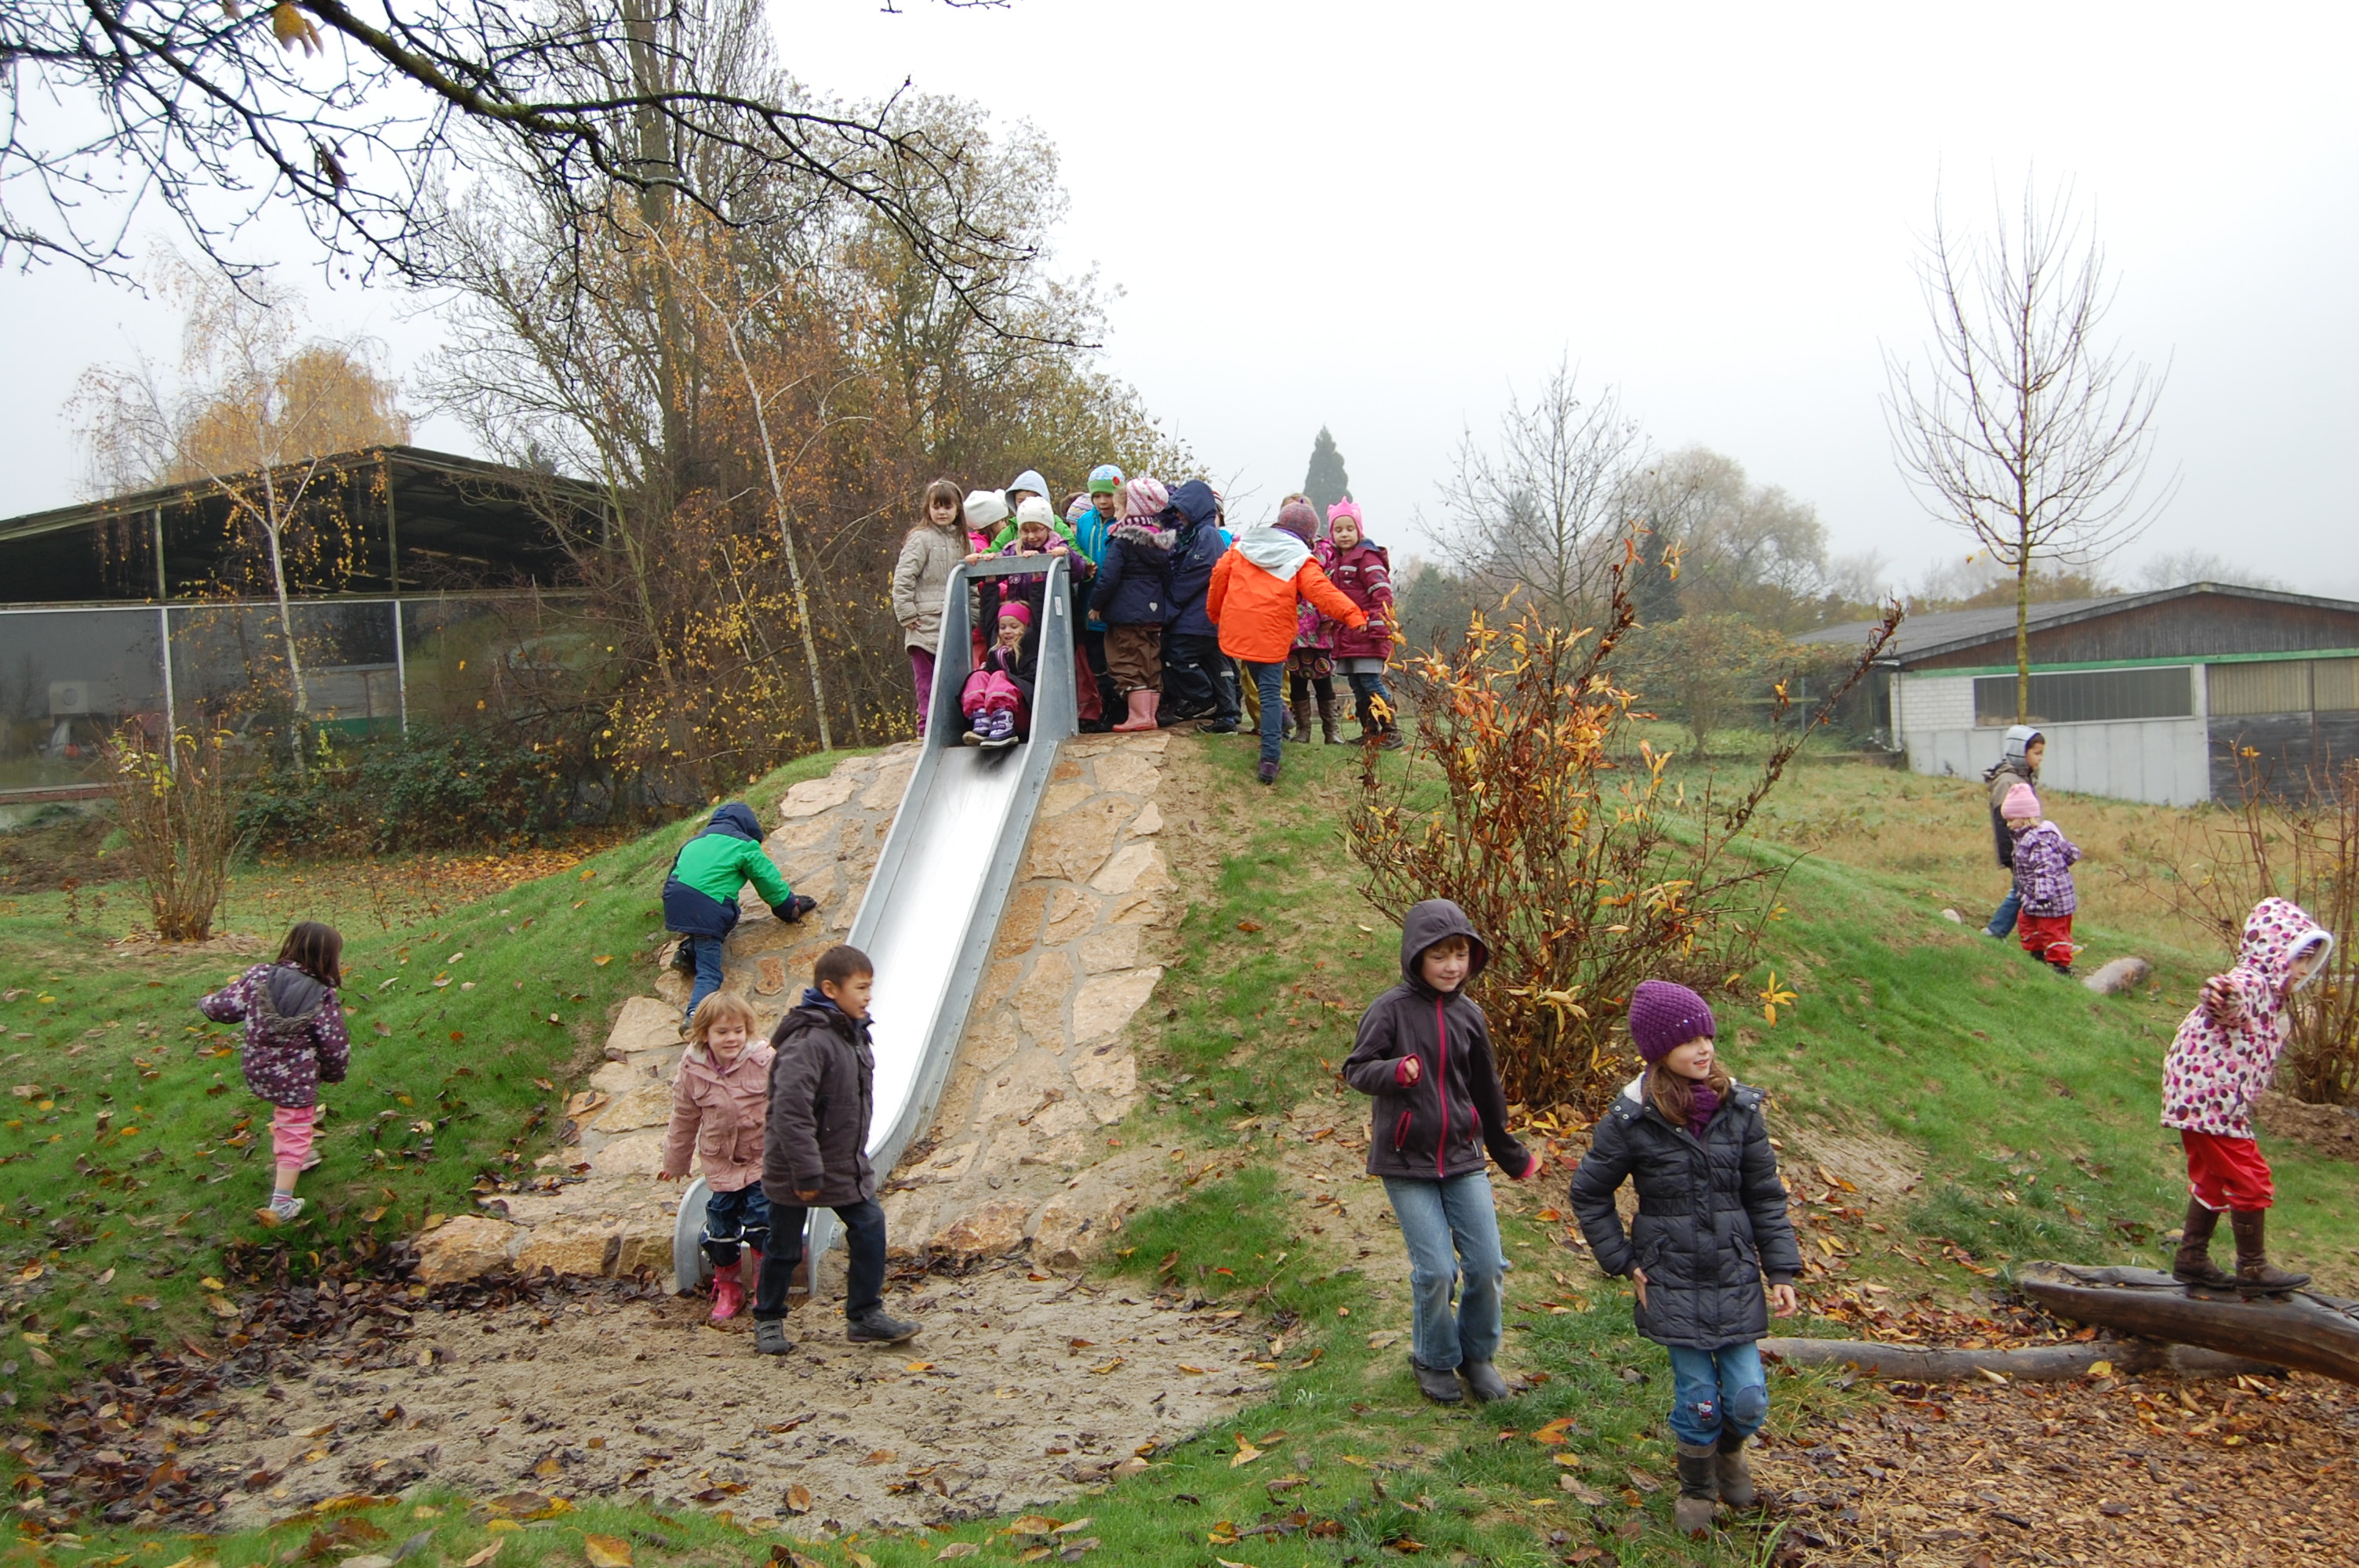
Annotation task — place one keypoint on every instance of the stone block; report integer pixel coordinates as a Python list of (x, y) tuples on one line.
[(635, 1156), (1070, 913), (1066, 770), (1139, 908), (1062, 798), (1040, 1000), (1128, 770), (646, 1106), (1149, 821), (645, 1024), (1061, 1119), (1019, 924), (1135, 868), (995, 1228), (1069, 848), (463, 1248), (644, 1241), (990, 1043), (591, 1195), (1022, 1089), (885, 794), (812, 796), (583, 1246), (1106, 1003), (1110, 1082), (619, 1078), (1113, 947), (1067, 1235)]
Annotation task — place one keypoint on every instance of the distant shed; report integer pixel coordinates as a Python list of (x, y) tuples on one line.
[(2147, 697)]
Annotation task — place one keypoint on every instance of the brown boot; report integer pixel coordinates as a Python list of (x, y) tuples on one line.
[(1328, 723), (1302, 716), (2255, 1275), (2193, 1266), (1699, 1488), (1734, 1474)]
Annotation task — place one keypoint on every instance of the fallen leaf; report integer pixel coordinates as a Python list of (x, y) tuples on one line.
[(957, 1549), (603, 959), (606, 1550), (919, 1367), (485, 1555), (1191, 1371), (1102, 1371), (1580, 1494), (1640, 1479), (1383, 1337), (1245, 1454), (881, 1456), (799, 1498), (1070, 1526), (1034, 1524), (2102, 1369), (1033, 1554)]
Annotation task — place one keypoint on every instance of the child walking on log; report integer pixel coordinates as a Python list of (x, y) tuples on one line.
[(2223, 1056), (1424, 1055), (822, 1093), (295, 1040), (720, 1101), (1711, 1223)]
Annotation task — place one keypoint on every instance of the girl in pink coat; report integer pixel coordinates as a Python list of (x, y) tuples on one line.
[(720, 1113), (2221, 1059)]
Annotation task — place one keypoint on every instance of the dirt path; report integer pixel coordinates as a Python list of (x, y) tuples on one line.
[(1022, 1387)]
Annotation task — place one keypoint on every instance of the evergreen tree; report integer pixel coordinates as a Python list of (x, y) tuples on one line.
[(1654, 591), (1326, 483)]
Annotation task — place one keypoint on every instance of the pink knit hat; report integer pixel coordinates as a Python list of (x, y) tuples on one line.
[(1016, 613), (2019, 802), (1146, 497), (1347, 507)]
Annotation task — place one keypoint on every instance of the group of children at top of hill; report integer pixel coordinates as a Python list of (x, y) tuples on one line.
[(782, 1127), (1175, 615)]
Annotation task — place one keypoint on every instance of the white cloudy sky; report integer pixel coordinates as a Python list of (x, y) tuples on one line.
[(1381, 218)]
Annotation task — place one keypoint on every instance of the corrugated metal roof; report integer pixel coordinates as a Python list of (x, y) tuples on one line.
[(1948, 631)]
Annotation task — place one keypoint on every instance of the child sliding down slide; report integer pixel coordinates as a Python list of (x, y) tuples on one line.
[(998, 698)]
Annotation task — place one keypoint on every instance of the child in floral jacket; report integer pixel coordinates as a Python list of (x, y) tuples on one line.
[(2221, 1059), (2043, 880), (295, 1040)]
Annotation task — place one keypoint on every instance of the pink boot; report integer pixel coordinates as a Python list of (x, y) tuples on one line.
[(728, 1296), (1142, 712)]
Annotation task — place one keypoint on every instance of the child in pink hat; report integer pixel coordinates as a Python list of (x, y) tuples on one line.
[(998, 696), (2043, 880)]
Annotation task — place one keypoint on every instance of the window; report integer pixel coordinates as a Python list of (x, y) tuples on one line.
[(2090, 696), (2285, 685)]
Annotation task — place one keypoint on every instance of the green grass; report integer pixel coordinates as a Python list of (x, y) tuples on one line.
[(131, 1158), (2028, 1103)]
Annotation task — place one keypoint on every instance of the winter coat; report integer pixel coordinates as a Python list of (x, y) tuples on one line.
[(1255, 592), (1005, 533), (1135, 579), (295, 1035), (1091, 531), (2013, 765), (922, 580), (717, 1114), (699, 896), (1710, 1222), (1441, 1125), (1195, 553), (2226, 1050), (1312, 629), (822, 1093), (1363, 574), (2043, 871)]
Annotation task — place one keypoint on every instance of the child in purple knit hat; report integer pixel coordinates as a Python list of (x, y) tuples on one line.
[(1706, 1232)]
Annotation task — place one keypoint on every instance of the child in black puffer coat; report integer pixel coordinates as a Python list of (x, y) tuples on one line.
[(1711, 1223)]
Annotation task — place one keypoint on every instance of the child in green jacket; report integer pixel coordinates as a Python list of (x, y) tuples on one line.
[(699, 896)]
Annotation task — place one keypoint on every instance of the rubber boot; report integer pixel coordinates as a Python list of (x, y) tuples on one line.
[(1142, 714), (1436, 1383), (1699, 1488), (2193, 1266), (1734, 1475), (2255, 1275), (1328, 731), (1302, 716), (1482, 1382), (728, 1295)]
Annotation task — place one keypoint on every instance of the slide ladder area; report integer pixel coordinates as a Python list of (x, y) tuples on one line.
[(957, 845)]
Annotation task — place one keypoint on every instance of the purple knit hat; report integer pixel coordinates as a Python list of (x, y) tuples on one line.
[(1664, 1016), (1299, 519)]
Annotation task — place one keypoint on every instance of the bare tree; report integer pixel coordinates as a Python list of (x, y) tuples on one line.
[(2024, 430), (1539, 512), (218, 109), (2174, 568)]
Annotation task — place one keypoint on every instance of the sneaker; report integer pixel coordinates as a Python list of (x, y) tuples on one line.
[(872, 1328), (1219, 727), (281, 1208), (311, 1162), (1266, 773), (999, 729), (770, 1336), (974, 736)]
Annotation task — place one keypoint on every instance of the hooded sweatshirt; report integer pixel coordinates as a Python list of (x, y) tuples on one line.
[(1031, 479), (1254, 590), (2226, 1050), (2014, 764), (699, 896), (1195, 553), (295, 1035), (1441, 1125)]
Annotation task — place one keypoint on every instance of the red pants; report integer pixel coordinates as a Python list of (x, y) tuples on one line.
[(2048, 937), (2226, 1173)]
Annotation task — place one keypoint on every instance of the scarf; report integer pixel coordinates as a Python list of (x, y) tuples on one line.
[(1703, 1100)]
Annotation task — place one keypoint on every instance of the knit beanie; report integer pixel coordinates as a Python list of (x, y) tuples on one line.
[(1347, 507), (985, 509), (1144, 497), (1036, 509), (1016, 613), (1663, 1016), (1299, 519), (1104, 480), (1075, 507), (2019, 802)]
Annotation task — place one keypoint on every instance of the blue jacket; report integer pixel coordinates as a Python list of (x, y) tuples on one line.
[(1135, 579), (1089, 539), (1196, 551)]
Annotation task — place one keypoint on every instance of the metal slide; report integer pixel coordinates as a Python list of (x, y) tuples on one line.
[(932, 908)]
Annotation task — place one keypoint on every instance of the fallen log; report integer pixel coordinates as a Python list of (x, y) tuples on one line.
[(2035, 1364), (2304, 1330)]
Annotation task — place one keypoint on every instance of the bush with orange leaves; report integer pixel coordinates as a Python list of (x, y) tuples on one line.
[(1583, 869)]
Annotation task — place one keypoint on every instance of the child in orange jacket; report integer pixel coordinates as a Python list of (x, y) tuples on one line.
[(1254, 600)]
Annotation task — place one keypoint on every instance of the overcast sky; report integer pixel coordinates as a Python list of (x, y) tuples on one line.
[(1382, 219)]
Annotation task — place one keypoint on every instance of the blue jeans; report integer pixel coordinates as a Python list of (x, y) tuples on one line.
[(736, 1219), (1269, 681), (706, 951), (1365, 689), (864, 1245), (2004, 921), (1717, 1391), (1452, 1232)]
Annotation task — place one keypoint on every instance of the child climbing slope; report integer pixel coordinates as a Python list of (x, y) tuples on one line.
[(2224, 1054), (295, 1040)]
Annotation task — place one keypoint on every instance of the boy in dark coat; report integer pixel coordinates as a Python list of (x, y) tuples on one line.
[(2018, 762), (1710, 1222), (699, 896), (1197, 679), (815, 1151), (1424, 1054)]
